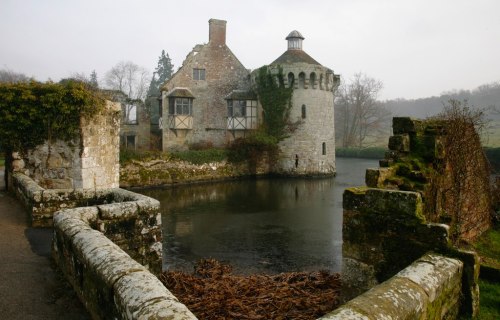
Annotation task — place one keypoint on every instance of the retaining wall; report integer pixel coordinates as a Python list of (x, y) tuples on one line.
[(107, 280), (132, 221)]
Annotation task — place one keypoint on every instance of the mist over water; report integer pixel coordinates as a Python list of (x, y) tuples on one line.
[(258, 225)]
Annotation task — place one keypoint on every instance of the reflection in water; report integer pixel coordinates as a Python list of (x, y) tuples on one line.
[(262, 225)]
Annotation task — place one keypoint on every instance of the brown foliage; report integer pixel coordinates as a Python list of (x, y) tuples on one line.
[(212, 292)]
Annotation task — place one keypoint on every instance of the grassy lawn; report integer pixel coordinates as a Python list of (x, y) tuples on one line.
[(488, 247), (489, 305)]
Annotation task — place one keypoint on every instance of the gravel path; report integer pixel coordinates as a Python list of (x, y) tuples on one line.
[(30, 286)]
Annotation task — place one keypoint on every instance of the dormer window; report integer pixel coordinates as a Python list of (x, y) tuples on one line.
[(198, 74)]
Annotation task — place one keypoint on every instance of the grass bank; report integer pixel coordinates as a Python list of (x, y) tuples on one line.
[(191, 156), (488, 247)]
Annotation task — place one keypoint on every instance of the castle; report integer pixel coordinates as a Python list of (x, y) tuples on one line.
[(210, 100)]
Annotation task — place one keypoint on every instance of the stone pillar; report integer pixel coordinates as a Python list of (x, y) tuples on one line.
[(90, 161)]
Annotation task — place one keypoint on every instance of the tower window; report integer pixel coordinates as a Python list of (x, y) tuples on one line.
[(291, 80), (199, 74), (302, 80), (312, 80), (324, 148), (303, 111)]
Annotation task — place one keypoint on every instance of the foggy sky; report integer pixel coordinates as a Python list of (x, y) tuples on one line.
[(417, 48)]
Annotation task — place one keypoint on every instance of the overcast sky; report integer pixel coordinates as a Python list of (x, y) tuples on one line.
[(417, 48)]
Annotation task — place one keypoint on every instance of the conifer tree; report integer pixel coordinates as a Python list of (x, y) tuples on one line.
[(93, 79), (162, 73)]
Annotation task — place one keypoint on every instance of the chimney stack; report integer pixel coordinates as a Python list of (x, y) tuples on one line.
[(217, 31)]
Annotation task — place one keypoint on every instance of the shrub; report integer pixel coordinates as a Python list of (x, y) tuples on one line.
[(252, 147)]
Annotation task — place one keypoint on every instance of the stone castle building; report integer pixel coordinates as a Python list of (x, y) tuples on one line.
[(210, 100)]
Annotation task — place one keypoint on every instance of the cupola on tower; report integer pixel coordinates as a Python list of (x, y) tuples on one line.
[(310, 148)]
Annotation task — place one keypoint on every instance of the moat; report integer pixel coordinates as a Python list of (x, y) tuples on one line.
[(258, 225)]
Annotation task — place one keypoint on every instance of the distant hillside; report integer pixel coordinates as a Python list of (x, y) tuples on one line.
[(484, 96)]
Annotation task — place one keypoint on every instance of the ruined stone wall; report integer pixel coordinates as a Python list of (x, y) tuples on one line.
[(88, 162), (392, 222), (453, 193), (224, 73), (141, 130)]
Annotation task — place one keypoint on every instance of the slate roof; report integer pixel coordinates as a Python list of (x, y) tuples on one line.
[(180, 93), (293, 56)]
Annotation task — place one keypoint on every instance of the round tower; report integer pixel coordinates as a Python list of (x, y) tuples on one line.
[(310, 148)]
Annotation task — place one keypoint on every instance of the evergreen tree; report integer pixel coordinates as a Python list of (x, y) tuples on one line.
[(93, 79), (162, 73)]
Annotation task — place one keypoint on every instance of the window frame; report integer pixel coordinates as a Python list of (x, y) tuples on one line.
[(199, 74)]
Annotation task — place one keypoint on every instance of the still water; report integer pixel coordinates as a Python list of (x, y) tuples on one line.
[(258, 225)]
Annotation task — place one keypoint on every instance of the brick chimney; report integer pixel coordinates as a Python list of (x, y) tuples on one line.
[(217, 31)]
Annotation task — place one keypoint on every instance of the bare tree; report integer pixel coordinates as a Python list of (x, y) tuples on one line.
[(128, 78), (359, 117)]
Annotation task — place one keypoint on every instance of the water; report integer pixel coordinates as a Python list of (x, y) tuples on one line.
[(259, 225)]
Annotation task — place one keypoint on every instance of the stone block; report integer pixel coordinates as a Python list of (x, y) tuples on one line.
[(121, 210), (374, 178), (400, 142), (432, 273), (396, 298), (135, 291), (401, 125)]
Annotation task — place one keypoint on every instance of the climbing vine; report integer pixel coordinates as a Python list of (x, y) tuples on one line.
[(33, 112), (276, 101)]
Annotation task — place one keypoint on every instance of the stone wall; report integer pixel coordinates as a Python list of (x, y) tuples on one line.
[(168, 172), (109, 283), (453, 193), (88, 162), (430, 288), (130, 220)]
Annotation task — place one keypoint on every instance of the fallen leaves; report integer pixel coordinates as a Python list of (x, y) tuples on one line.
[(213, 292)]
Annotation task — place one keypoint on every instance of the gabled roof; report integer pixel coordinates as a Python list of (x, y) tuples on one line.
[(293, 56), (180, 93)]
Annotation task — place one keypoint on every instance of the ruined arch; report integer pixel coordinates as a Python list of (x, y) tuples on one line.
[(291, 79)]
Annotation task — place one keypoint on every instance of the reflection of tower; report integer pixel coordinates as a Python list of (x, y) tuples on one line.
[(313, 140)]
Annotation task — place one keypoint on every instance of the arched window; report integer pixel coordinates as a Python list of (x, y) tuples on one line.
[(312, 80), (303, 111), (321, 81), (302, 80), (324, 148), (291, 80)]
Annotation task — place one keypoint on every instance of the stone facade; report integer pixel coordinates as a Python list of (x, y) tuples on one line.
[(89, 162), (209, 73), (218, 86)]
